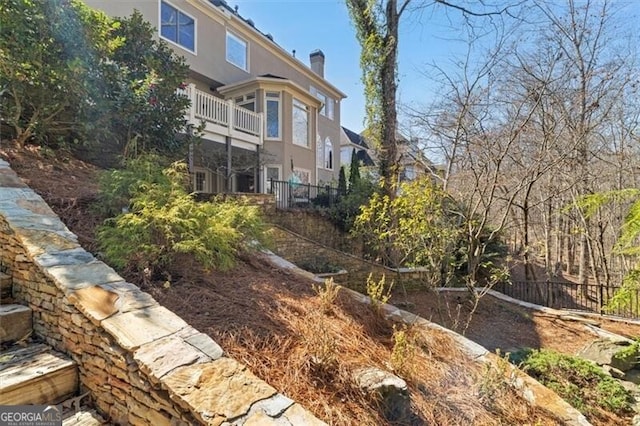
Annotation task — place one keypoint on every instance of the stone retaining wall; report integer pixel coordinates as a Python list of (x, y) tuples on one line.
[(314, 226), (141, 363), (301, 250)]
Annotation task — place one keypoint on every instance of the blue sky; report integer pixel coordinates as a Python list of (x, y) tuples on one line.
[(432, 36)]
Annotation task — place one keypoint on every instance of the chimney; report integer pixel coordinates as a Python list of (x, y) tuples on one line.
[(316, 58)]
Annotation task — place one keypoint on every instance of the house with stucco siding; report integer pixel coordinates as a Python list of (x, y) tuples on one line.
[(265, 114)]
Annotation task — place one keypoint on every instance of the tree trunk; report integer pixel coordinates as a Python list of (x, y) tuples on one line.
[(389, 149)]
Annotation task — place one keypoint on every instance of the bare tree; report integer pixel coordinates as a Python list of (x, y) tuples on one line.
[(377, 23)]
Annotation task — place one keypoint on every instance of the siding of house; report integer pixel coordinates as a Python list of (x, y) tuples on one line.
[(210, 69)]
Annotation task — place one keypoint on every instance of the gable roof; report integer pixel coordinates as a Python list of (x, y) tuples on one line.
[(361, 154), (355, 138)]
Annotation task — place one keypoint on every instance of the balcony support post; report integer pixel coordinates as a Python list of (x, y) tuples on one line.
[(257, 187), (191, 93), (229, 165), (232, 116)]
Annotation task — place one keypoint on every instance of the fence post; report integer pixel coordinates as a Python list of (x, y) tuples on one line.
[(549, 296), (601, 299)]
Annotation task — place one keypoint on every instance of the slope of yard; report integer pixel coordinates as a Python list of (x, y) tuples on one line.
[(277, 325), (500, 325)]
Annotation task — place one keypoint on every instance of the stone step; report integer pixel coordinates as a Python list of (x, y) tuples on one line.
[(6, 287), (83, 418), (15, 323), (36, 374)]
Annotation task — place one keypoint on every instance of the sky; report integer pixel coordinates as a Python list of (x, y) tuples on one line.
[(431, 36), (306, 25)]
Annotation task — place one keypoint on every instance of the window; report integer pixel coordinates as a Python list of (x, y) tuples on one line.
[(272, 109), (177, 27), (329, 108), (319, 152), (301, 176), (300, 123), (328, 154), (272, 173), (247, 101), (200, 181), (410, 173), (237, 51), (327, 103)]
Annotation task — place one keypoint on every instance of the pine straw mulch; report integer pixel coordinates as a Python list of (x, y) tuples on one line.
[(275, 323), (498, 325), (512, 326)]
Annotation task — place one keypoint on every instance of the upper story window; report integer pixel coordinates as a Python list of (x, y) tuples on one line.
[(300, 123), (177, 27), (327, 103), (272, 112), (247, 101), (237, 51)]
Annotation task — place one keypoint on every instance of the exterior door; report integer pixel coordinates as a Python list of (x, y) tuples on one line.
[(271, 172)]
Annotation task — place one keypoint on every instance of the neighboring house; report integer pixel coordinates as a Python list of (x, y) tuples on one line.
[(351, 142), (413, 163), (268, 115)]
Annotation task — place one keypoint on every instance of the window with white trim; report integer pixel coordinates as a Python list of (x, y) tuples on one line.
[(237, 51), (319, 152), (247, 101), (177, 27), (272, 112), (302, 176), (328, 154), (200, 181), (327, 103), (272, 172), (300, 123)]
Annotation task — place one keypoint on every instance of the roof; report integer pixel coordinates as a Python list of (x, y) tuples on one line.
[(225, 5), (361, 154), (364, 158), (355, 138)]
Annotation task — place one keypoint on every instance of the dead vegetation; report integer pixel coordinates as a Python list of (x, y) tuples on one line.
[(304, 344)]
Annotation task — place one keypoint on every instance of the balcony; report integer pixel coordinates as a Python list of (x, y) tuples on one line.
[(223, 119)]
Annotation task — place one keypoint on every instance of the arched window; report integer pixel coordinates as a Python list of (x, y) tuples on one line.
[(328, 154)]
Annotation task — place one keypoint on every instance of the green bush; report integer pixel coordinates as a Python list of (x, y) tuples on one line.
[(164, 220), (581, 383), (344, 212), (118, 186)]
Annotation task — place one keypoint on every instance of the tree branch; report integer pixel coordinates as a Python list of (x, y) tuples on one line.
[(466, 11)]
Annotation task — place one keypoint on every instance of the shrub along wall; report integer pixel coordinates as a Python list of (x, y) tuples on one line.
[(141, 363)]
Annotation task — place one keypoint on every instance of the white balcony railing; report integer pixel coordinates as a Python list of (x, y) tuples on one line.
[(228, 119)]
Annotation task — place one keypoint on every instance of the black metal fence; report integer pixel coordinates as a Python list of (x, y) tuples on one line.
[(568, 295), (291, 195)]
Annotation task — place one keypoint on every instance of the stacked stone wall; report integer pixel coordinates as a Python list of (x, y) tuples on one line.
[(316, 227), (141, 363), (300, 250)]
